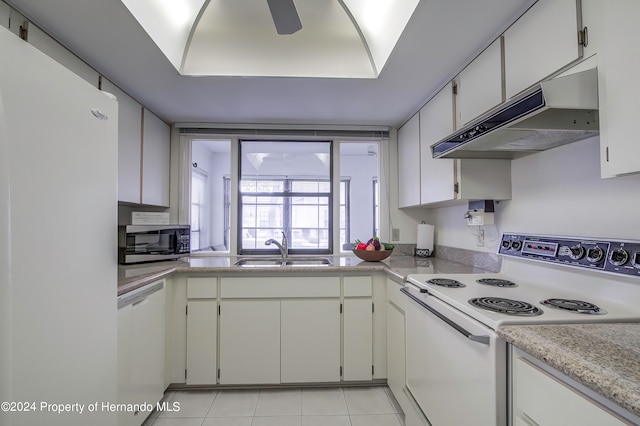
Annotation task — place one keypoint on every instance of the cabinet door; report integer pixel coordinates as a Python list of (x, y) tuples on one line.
[(126, 391), (310, 341), (396, 374), (129, 144), (156, 141), (50, 47), (409, 163), (249, 341), (619, 88), (436, 122), (147, 349), (4, 15), (202, 338), (358, 339), (541, 42), (480, 85)]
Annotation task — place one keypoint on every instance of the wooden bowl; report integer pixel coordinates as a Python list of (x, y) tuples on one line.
[(372, 256)]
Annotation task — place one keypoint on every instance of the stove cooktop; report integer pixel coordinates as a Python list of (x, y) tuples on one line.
[(519, 302)]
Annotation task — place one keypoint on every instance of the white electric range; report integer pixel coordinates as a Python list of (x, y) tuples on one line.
[(453, 351)]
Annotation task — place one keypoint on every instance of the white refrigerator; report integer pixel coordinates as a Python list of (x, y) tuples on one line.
[(58, 242)]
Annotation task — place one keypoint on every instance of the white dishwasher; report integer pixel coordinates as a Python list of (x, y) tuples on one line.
[(141, 330)]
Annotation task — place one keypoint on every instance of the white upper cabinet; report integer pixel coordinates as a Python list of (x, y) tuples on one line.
[(129, 148), (156, 145), (426, 181), (541, 42), (409, 163), (4, 15), (144, 143), (436, 174), (619, 88), (480, 85), (50, 47)]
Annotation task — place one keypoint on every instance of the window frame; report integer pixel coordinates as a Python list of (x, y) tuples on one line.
[(287, 226), (233, 135)]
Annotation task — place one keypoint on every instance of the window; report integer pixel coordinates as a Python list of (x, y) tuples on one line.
[(210, 194), (285, 187), (359, 203), (198, 206), (282, 186)]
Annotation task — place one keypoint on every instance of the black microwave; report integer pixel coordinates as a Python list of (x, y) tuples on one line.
[(148, 243)]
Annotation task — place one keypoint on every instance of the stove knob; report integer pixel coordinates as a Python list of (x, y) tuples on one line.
[(516, 245), (595, 254), (576, 252), (618, 257)]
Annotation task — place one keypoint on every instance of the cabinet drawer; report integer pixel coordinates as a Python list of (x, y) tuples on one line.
[(394, 295), (202, 288), (543, 399), (279, 287), (358, 287)]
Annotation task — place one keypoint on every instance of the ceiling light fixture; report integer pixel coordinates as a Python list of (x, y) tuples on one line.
[(341, 38)]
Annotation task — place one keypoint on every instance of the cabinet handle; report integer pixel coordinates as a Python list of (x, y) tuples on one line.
[(474, 338), (138, 302)]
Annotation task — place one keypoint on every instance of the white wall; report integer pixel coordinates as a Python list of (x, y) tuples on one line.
[(5, 256), (556, 192)]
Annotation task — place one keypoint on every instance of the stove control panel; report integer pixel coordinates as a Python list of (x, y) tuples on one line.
[(613, 256)]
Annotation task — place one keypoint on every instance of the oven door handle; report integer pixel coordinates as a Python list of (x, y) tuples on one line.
[(474, 338)]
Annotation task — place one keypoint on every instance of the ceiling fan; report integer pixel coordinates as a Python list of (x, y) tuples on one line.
[(285, 16)]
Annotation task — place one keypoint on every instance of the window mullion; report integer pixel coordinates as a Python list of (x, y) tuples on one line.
[(286, 209)]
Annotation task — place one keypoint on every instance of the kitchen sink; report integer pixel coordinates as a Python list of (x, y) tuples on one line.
[(278, 262), (315, 261), (255, 262)]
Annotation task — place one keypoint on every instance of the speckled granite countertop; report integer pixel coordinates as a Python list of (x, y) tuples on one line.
[(604, 357), (131, 277)]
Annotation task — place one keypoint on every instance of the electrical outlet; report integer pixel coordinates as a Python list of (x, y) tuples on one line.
[(395, 234)]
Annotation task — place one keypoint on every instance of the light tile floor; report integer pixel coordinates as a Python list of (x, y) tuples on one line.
[(349, 406)]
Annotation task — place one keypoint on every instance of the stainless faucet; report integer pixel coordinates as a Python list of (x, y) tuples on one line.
[(284, 248)]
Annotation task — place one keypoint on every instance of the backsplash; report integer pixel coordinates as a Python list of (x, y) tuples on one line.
[(489, 261)]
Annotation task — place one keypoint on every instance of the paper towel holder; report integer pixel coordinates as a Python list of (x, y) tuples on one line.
[(423, 252)]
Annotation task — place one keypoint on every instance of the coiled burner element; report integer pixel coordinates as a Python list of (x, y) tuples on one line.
[(446, 282), (579, 306), (496, 282), (505, 306)]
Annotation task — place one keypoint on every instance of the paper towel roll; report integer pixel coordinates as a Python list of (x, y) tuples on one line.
[(425, 237)]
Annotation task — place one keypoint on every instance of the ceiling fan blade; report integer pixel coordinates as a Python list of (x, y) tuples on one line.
[(285, 16)]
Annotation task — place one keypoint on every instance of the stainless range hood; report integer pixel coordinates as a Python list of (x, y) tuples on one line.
[(552, 113)]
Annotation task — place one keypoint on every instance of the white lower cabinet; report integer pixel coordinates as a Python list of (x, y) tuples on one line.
[(249, 341), (541, 399), (141, 330), (278, 329)]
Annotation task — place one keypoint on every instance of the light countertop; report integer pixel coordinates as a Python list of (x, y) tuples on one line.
[(131, 277)]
